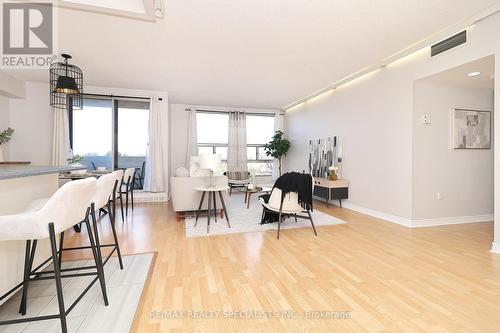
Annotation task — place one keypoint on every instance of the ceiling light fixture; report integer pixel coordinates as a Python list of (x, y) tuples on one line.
[(472, 74), (66, 84)]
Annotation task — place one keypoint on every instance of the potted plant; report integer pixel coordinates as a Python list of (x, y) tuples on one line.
[(5, 137), (277, 147), (75, 161)]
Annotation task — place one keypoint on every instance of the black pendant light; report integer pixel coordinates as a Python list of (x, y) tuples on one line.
[(66, 84)]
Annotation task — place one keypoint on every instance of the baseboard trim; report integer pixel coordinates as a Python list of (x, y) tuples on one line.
[(140, 196), (418, 223), (495, 248), (451, 220), (375, 213)]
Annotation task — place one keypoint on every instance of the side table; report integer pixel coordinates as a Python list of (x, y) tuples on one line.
[(212, 191)]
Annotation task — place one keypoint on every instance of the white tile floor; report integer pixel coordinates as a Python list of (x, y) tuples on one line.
[(124, 289)]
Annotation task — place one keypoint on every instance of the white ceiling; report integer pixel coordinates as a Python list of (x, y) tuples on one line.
[(254, 53), (458, 76)]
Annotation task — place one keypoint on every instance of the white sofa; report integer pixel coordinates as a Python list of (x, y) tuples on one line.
[(186, 199)]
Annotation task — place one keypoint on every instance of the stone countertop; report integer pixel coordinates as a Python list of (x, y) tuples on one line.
[(19, 171)]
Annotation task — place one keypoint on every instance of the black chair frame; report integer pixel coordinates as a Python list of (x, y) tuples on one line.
[(283, 216), (129, 188)]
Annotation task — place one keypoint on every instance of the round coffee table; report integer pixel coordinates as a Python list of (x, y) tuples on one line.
[(248, 192), (212, 191)]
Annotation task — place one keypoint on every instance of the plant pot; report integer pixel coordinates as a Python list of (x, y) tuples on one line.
[(1, 154)]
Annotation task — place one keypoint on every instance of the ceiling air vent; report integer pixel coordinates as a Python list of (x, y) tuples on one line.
[(449, 43)]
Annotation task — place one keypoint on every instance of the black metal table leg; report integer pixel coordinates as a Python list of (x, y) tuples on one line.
[(215, 207), (224, 207), (209, 210), (199, 208)]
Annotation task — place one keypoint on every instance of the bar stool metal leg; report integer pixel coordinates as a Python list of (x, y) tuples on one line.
[(61, 247), (28, 265), (121, 205), (132, 196), (57, 275), (126, 201), (113, 229), (98, 257)]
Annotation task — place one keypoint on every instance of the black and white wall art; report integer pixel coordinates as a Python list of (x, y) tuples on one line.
[(470, 129), (324, 153)]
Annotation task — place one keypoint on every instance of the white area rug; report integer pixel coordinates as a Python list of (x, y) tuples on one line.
[(248, 220), (124, 289)]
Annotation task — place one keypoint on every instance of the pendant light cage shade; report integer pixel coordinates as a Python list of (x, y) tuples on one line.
[(66, 85)]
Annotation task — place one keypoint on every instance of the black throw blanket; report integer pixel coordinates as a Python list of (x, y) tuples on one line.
[(297, 182)]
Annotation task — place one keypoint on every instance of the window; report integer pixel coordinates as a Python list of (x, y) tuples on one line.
[(212, 136), (111, 133), (133, 118), (260, 130)]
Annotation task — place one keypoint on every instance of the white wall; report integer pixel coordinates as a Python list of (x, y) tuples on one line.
[(11, 87), (31, 118), (464, 177), (373, 114), (4, 122)]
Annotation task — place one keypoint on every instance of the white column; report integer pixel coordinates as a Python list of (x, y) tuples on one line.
[(496, 132)]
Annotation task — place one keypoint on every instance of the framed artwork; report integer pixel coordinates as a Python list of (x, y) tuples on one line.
[(470, 129), (324, 153)]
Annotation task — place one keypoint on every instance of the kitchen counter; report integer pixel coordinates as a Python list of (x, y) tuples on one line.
[(19, 171)]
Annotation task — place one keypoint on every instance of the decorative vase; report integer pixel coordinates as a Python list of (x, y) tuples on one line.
[(1, 154), (333, 175)]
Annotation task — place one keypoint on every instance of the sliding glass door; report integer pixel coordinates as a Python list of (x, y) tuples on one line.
[(92, 133), (132, 141), (111, 133)]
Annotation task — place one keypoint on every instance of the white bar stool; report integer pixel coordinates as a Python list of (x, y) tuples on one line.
[(67, 207), (105, 190)]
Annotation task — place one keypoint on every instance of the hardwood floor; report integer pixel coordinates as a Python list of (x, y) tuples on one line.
[(390, 278)]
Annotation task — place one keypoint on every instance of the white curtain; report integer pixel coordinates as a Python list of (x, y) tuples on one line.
[(156, 175), (278, 126), (237, 142), (60, 139), (192, 140)]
